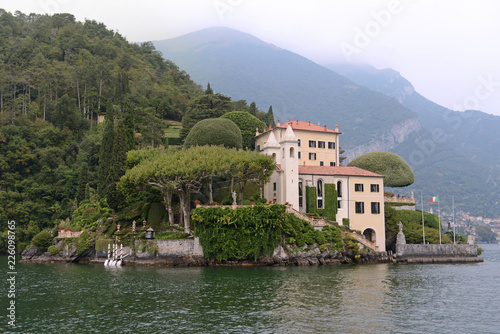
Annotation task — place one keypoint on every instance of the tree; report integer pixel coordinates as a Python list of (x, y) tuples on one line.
[(106, 151), (485, 234), (82, 183), (253, 109), (247, 124), (209, 89), (185, 170), (215, 132), (270, 117), (397, 173), (118, 165), (203, 107)]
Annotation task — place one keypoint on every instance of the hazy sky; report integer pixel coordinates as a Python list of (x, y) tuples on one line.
[(449, 50)]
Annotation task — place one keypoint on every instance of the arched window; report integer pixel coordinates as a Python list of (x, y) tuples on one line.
[(301, 196), (292, 153), (274, 157), (339, 195), (319, 186)]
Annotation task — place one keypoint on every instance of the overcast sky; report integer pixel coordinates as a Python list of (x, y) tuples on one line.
[(449, 50)]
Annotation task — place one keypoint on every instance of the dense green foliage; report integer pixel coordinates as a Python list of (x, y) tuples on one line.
[(412, 227), (330, 201), (118, 165), (485, 234), (56, 77), (42, 240), (247, 123), (397, 173), (203, 107), (251, 232), (215, 132)]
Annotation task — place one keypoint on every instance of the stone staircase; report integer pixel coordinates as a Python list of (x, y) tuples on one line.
[(320, 223)]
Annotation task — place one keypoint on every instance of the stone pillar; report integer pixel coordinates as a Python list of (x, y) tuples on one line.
[(400, 239)]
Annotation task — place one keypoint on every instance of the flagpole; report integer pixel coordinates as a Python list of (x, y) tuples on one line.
[(423, 225), (453, 202), (439, 219)]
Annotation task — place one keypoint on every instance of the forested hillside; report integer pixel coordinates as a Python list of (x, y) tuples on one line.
[(56, 77)]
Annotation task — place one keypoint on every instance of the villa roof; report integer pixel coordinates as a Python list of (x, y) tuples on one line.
[(302, 125), (336, 170), (308, 126)]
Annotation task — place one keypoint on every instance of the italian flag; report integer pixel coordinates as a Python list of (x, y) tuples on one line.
[(434, 199)]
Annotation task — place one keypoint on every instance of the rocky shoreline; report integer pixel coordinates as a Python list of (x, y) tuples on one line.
[(311, 256)]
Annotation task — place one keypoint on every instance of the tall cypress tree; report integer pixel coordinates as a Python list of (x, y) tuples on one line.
[(118, 165), (82, 182), (270, 117), (106, 151)]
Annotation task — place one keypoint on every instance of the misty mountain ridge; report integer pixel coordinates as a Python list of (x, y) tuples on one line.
[(244, 67), (375, 110)]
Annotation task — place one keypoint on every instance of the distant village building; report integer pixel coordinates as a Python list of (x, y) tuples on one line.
[(309, 178)]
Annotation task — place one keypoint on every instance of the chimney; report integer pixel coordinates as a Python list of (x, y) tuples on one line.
[(325, 127), (278, 123), (336, 127), (257, 132), (309, 122)]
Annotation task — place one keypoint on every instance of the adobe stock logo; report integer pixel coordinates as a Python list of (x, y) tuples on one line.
[(454, 119), (224, 6), (381, 19), (52, 6)]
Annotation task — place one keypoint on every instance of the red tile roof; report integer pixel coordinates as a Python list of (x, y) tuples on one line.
[(302, 125), (336, 170), (308, 126)]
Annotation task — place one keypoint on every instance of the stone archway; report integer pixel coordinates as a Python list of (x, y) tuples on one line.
[(370, 234)]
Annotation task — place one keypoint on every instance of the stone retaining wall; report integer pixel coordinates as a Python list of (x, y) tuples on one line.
[(436, 253)]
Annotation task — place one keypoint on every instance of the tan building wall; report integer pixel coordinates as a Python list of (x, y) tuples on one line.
[(368, 220)]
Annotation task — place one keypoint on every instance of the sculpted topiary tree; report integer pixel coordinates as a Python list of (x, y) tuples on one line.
[(397, 173), (247, 124), (214, 132)]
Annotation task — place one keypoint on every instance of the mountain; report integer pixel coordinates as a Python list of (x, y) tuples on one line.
[(244, 67), (375, 109), (472, 131)]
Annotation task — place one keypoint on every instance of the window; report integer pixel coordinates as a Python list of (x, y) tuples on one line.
[(274, 157), (312, 156), (375, 207), (319, 185), (321, 163), (298, 154), (258, 148), (274, 186), (332, 163), (331, 145), (321, 144), (358, 187), (300, 193), (374, 188), (298, 144), (339, 195), (360, 207), (292, 153), (312, 143)]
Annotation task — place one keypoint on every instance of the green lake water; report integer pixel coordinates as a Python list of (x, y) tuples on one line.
[(378, 298)]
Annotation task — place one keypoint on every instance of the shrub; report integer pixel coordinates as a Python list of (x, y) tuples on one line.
[(53, 250), (42, 240), (397, 173), (214, 131)]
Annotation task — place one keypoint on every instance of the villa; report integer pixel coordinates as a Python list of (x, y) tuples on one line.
[(308, 177)]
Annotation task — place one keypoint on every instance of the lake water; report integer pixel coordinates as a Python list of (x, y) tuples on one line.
[(378, 298)]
